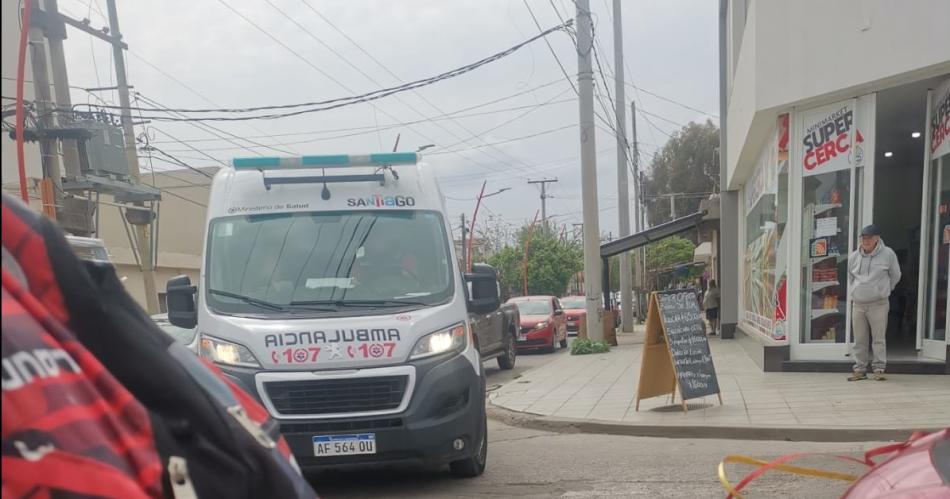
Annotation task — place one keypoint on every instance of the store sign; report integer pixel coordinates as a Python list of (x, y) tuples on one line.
[(831, 140), (764, 179), (940, 121)]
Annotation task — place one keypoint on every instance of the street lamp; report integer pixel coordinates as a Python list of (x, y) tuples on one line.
[(423, 148), (481, 195), (499, 191)]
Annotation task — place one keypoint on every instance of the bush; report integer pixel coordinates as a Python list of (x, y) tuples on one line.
[(584, 347)]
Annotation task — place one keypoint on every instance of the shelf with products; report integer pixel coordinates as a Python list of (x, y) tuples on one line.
[(822, 208), (819, 313), (838, 258), (817, 286), (825, 222)]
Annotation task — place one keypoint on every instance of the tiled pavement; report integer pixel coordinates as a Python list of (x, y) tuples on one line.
[(602, 388)]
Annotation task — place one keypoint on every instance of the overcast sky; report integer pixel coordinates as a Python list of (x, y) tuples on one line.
[(220, 59)]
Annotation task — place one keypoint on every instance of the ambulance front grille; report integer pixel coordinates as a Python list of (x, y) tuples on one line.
[(336, 396)]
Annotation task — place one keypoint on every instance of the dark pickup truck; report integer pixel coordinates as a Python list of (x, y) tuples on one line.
[(496, 331)]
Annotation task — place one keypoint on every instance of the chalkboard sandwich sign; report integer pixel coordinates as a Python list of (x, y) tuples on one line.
[(676, 350)]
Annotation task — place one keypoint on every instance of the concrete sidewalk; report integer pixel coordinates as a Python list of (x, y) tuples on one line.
[(596, 393)]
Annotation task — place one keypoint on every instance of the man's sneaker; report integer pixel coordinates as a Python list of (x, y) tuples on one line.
[(857, 376), (878, 376)]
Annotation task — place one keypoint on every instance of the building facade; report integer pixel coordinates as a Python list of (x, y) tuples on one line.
[(835, 115)]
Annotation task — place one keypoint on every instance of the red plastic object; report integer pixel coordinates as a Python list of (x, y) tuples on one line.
[(919, 469)]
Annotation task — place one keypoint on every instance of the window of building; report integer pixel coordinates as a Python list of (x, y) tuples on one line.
[(766, 198)]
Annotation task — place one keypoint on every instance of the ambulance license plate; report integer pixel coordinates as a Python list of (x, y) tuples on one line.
[(344, 445)]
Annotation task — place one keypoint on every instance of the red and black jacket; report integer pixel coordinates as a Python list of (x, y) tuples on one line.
[(98, 402)]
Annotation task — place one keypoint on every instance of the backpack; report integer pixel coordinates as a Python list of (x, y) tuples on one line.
[(178, 427)]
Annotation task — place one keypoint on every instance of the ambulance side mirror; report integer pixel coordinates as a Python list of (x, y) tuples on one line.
[(180, 297)]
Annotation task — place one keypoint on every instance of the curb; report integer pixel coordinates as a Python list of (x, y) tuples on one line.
[(569, 425)]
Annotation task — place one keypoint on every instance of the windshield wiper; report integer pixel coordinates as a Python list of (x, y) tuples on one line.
[(247, 299), (267, 304), (361, 303)]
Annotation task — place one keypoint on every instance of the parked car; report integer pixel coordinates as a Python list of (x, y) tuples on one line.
[(543, 324), (187, 337), (575, 311), (496, 331)]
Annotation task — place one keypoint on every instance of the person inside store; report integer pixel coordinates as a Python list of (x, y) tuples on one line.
[(711, 306), (873, 273)]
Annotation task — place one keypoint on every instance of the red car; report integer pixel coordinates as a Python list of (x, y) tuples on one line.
[(543, 324), (575, 309)]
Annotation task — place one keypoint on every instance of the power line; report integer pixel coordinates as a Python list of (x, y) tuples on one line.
[(367, 130), (514, 139), (661, 118), (155, 67), (180, 162), (512, 120), (672, 101), (454, 113), (413, 85), (212, 129), (551, 48), (336, 103), (347, 61)]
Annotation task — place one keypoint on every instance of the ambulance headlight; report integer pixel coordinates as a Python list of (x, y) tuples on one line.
[(451, 339), (226, 353)]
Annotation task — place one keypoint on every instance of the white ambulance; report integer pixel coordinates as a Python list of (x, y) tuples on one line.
[(330, 290)]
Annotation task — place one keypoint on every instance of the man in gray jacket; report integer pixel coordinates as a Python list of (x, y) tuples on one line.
[(873, 272)]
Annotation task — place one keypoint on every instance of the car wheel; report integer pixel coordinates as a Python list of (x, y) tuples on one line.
[(507, 359), (475, 465), (553, 346)]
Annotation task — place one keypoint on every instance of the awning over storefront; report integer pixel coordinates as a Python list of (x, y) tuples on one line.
[(652, 234), (703, 252), (642, 238)]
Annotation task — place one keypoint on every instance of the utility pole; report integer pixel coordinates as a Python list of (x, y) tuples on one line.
[(52, 187), (142, 235), (623, 194), (544, 197), (592, 261), (464, 246), (672, 207), (57, 59), (637, 212)]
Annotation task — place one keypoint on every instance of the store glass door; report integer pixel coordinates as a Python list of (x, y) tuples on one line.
[(934, 344), (829, 221), (833, 193)]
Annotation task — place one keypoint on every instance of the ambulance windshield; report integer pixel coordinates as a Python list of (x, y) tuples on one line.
[(328, 261)]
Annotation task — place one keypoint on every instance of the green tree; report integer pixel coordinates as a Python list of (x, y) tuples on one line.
[(687, 163), (552, 263), (508, 262), (669, 252)]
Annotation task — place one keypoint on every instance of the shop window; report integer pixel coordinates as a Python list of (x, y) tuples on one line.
[(825, 224), (766, 196)]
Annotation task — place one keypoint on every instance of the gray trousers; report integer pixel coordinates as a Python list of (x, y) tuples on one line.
[(869, 319)]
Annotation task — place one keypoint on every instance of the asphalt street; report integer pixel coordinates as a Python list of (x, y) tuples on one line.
[(528, 463)]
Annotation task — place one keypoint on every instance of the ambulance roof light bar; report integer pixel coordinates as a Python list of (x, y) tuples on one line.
[(380, 160)]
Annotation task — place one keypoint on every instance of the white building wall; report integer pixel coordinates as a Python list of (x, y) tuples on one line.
[(813, 51)]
